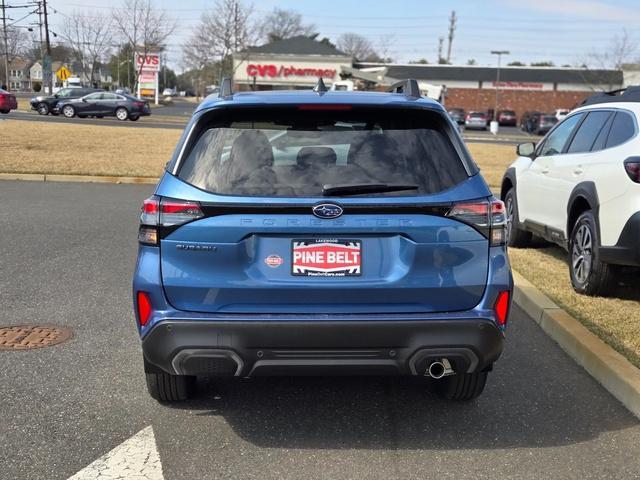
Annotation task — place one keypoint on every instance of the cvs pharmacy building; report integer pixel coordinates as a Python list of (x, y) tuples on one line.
[(294, 63)]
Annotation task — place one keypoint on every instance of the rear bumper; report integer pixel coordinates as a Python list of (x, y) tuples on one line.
[(253, 348), (627, 250)]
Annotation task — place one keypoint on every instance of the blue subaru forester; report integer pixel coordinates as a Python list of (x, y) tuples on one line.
[(321, 233)]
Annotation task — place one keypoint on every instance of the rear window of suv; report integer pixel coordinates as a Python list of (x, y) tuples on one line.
[(298, 152)]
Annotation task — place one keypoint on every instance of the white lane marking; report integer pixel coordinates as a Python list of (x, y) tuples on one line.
[(134, 459)]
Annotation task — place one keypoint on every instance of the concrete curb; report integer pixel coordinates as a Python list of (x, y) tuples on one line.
[(608, 367), (39, 177)]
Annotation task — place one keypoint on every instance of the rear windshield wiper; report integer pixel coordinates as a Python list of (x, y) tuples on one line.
[(360, 188)]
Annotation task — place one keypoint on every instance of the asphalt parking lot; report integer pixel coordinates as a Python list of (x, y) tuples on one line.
[(67, 258)]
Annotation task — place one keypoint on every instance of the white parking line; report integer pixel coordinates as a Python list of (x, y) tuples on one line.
[(134, 459)]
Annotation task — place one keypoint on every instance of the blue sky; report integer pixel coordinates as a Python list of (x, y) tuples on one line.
[(563, 31)]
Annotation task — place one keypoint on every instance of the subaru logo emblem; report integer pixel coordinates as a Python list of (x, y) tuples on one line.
[(327, 210)]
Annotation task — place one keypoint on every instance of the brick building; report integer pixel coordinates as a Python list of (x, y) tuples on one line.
[(520, 88)]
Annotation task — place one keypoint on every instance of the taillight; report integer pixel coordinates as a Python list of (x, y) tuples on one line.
[(158, 212), (501, 307), (486, 216), (144, 308), (632, 166), (138, 104)]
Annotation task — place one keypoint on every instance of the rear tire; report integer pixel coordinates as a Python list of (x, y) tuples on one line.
[(461, 387), (167, 388), (134, 119), (515, 236), (4, 111), (589, 275)]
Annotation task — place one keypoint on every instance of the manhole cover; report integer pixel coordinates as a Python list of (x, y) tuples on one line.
[(23, 337)]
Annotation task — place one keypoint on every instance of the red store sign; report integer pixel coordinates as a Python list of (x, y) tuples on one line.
[(519, 85), (275, 71)]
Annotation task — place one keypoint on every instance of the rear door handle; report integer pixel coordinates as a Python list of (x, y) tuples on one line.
[(578, 171)]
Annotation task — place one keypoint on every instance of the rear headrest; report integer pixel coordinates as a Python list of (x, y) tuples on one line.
[(316, 157), (251, 150)]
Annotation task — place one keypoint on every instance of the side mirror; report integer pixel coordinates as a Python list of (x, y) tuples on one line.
[(526, 149), (84, 100)]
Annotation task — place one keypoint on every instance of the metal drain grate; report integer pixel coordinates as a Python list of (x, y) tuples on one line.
[(24, 337)]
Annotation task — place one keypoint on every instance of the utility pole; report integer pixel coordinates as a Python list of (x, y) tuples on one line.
[(452, 28), (48, 45), (440, 43), (6, 46), (499, 53)]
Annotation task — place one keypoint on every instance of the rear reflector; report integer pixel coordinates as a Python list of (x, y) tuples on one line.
[(486, 216), (144, 308), (164, 212), (502, 307)]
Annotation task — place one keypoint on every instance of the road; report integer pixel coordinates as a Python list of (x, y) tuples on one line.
[(67, 256)]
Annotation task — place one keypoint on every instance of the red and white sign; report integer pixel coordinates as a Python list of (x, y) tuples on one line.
[(327, 258), (518, 85), (149, 62), (276, 71)]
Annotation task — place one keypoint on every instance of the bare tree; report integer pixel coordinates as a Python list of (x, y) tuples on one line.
[(281, 24), (90, 37), (18, 43), (227, 29), (145, 28), (357, 46), (620, 50), (385, 44)]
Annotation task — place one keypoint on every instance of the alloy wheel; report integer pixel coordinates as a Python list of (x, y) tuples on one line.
[(509, 207), (122, 114), (43, 109), (68, 111), (582, 253)]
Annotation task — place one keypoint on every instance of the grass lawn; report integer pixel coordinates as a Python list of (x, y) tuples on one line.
[(615, 320), (34, 147), (38, 147)]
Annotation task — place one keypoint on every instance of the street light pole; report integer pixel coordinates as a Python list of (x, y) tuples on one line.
[(499, 53), (6, 46)]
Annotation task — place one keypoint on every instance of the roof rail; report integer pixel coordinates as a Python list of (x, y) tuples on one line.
[(226, 89), (409, 87), (629, 94), (320, 86)]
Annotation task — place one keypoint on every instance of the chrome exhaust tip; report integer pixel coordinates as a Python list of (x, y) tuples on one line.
[(440, 369)]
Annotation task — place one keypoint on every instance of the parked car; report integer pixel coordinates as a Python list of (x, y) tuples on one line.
[(580, 188), (561, 113), (525, 119), (8, 101), (359, 239), (476, 121), (104, 104), (541, 124), (457, 115), (169, 92), (507, 118), (45, 105)]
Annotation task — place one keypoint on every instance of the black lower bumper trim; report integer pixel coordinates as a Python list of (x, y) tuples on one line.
[(247, 348), (627, 250)]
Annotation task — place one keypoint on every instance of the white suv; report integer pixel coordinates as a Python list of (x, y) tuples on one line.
[(579, 187)]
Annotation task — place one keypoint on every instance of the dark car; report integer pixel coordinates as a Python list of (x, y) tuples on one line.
[(321, 233), (45, 105), (457, 115), (526, 118), (541, 124), (104, 104), (507, 118), (8, 101)]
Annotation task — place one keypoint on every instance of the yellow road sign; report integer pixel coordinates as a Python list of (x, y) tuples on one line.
[(63, 73)]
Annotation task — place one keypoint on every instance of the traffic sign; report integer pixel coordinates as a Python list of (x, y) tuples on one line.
[(63, 73)]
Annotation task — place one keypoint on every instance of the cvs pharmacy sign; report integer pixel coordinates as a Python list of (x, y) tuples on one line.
[(149, 62), (274, 71)]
